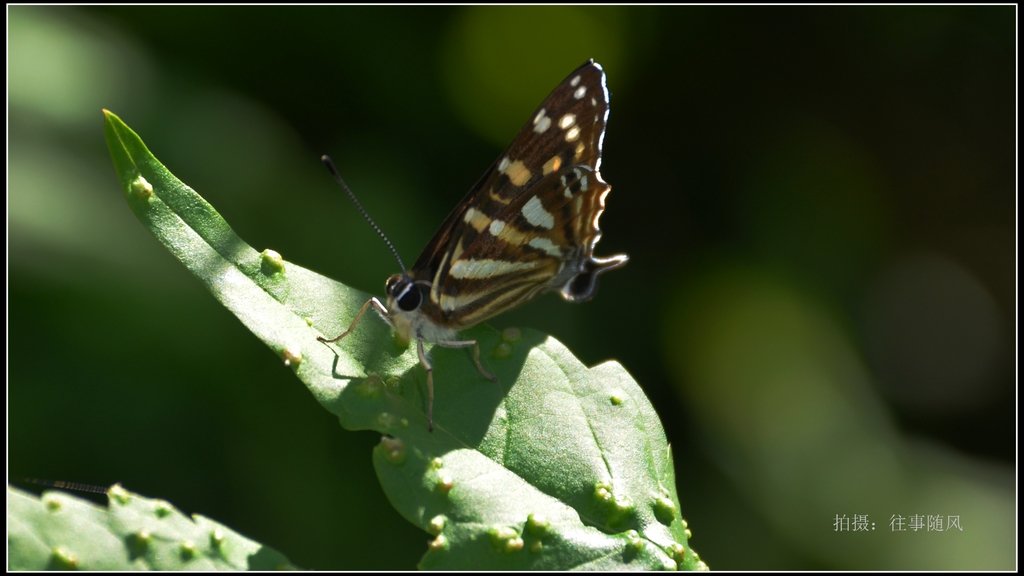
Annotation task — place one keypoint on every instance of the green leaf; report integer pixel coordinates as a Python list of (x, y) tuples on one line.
[(62, 532), (578, 450)]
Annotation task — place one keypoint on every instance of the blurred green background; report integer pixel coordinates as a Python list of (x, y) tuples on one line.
[(818, 204)]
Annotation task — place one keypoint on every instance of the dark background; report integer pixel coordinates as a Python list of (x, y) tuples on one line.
[(819, 205)]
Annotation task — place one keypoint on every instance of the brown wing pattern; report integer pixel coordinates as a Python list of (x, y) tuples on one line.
[(530, 224)]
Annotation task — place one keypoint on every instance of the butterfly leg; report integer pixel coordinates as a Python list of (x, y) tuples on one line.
[(425, 362), (476, 354), (372, 301), (430, 384)]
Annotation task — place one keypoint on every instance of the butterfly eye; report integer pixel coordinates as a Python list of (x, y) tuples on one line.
[(411, 298), (405, 292)]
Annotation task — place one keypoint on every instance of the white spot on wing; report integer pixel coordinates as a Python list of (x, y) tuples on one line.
[(580, 93), (567, 121), (575, 81), (541, 122), (547, 246), (496, 227), (503, 165), (572, 134), (536, 215)]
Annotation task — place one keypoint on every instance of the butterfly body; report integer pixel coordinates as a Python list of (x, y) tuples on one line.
[(527, 227)]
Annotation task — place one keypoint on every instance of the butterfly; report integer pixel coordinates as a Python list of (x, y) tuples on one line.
[(527, 227)]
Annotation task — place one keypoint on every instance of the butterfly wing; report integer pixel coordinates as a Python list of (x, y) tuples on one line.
[(530, 224)]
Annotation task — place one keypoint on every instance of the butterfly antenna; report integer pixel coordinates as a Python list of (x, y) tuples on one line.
[(334, 172)]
